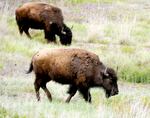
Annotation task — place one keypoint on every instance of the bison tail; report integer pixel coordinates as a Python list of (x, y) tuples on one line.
[(30, 68)]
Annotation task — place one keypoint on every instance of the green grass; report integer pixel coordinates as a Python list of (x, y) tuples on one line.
[(145, 100), (8, 114), (1, 66), (16, 47), (38, 36), (135, 74), (95, 39), (141, 32), (79, 30), (128, 49)]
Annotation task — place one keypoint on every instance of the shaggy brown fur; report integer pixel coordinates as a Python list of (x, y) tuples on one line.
[(38, 15), (78, 68)]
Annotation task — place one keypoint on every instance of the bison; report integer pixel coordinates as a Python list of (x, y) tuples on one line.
[(78, 68), (38, 15)]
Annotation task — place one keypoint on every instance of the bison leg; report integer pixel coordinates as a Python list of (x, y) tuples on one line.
[(46, 91), (89, 96), (26, 30), (86, 94), (20, 29), (40, 83), (49, 36), (19, 26), (37, 87), (72, 91)]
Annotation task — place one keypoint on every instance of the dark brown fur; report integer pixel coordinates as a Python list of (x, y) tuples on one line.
[(78, 68), (38, 15)]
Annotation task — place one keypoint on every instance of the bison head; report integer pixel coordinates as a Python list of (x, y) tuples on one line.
[(66, 35), (110, 82)]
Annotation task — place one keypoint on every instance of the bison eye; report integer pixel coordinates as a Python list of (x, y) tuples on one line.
[(111, 82)]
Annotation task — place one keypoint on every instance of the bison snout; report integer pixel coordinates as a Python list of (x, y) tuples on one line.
[(114, 92)]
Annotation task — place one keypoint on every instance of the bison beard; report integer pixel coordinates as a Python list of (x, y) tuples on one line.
[(43, 16), (78, 68)]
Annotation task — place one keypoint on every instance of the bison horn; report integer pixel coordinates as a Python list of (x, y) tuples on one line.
[(50, 22), (105, 72), (63, 32)]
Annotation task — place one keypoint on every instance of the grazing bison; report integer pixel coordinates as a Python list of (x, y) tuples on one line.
[(79, 68), (43, 16)]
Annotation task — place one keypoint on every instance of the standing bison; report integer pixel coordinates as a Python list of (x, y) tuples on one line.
[(43, 16), (79, 68)]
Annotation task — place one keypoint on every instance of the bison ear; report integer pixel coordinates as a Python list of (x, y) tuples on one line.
[(117, 69), (71, 27)]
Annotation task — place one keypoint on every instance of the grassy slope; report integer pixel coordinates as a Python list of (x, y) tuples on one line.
[(118, 33)]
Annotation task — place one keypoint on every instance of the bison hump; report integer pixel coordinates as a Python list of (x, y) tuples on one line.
[(83, 64)]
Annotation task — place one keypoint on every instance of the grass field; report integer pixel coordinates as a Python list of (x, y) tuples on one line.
[(117, 31)]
